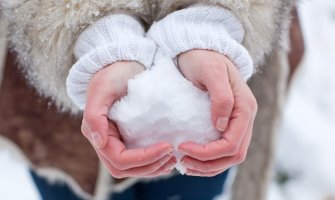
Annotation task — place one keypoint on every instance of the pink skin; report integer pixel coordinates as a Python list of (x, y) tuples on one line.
[(108, 85), (233, 112)]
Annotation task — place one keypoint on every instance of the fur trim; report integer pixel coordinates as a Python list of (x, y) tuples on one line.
[(103, 184), (7, 4), (3, 46), (43, 32), (55, 176), (15, 151), (264, 21)]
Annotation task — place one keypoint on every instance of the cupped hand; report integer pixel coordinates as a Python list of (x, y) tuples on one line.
[(105, 87), (233, 111)]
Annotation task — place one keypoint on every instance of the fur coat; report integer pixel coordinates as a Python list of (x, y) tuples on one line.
[(43, 33)]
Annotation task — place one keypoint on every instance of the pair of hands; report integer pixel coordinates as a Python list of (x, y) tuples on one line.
[(233, 112)]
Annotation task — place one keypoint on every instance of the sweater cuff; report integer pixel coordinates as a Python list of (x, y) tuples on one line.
[(203, 27), (113, 38)]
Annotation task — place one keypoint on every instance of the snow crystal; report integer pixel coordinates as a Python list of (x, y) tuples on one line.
[(162, 105)]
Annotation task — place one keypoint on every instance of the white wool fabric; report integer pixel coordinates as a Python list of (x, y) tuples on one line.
[(113, 38), (203, 27)]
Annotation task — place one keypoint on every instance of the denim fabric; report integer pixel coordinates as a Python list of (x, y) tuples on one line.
[(175, 188)]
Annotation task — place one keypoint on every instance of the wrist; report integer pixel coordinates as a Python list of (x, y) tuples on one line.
[(203, 27), (196, 65)]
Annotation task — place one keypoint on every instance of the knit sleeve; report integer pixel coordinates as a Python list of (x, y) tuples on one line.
[(203, 27), (117, 37)]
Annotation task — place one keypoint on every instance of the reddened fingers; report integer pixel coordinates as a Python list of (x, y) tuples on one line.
[(222, 98), (123, 158)]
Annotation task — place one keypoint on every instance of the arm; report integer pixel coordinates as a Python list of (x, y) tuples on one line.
[(110, 52), (205, 41), (44, 35)]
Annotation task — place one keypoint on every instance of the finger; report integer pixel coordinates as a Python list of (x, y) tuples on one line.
[(95, 114), (221, 163), (122, 158), (163, 163), (191, 172), (206, 166), (163, 170), (111, 169), (245, 108), (218, 86), (225, 147), (150, 169)]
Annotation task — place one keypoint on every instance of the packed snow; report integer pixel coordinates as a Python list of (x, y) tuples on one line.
[(161, 105), (305, 154)]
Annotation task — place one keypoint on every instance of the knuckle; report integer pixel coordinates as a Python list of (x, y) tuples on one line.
[(118, 175), (233, 148), (222, 98), (121, 166), (240, 157), (83, 130), (89, 116), (115, 173), (254, 104), (230, 100)]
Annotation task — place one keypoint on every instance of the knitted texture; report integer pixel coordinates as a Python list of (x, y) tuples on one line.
[(114, 38), (203, 27)]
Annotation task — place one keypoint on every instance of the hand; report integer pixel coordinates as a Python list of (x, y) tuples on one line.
[(233, 112), (106, 86)]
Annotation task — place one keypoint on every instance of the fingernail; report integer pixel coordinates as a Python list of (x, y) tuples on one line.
[(222, 123), (96, 139)]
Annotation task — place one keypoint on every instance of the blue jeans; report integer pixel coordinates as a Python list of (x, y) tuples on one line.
[(175, 188)]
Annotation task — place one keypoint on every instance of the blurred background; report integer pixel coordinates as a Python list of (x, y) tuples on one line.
[(305, 152)]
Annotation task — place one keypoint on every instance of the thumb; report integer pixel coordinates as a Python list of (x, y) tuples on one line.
[(95, 117), (95, 127), (222, 99)]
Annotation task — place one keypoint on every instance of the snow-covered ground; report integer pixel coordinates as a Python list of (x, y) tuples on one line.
[(305, 168), (15, 182), (306, 151)]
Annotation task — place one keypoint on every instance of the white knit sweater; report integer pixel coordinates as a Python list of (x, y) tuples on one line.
[(122, 38), (114, 38)]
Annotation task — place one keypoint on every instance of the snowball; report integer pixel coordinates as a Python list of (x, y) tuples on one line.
[(162, 105)]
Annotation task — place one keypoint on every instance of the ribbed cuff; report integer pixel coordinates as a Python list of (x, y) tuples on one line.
[(203, 27), (110, 29), (113, 38)]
